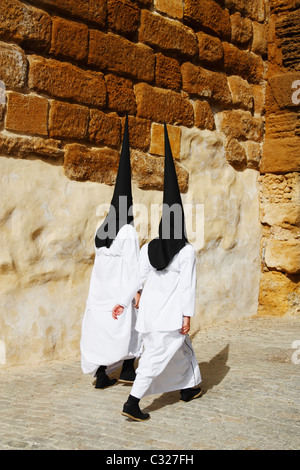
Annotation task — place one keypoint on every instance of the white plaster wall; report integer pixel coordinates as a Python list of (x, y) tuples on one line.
[(228, 264)]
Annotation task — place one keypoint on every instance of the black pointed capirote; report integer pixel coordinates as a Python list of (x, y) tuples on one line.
[(120, 212), (172, 234)]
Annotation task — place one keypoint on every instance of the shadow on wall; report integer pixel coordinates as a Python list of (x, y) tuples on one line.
[(212, 372)]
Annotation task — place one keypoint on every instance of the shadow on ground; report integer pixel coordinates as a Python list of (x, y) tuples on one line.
[(212, 373)]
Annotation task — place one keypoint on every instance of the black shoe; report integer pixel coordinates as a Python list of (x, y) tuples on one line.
[(127, 377), (188, 394), (134, 412), (128, 373), (105, 382), (102, 380)]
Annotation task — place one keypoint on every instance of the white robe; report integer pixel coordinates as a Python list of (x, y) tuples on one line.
[(168, 361), (105, 341)]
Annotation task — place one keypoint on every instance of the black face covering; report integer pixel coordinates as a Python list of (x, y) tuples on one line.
[(172, 234), (120, 212)]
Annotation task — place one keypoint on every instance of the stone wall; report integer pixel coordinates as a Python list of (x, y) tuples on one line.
[(71, 70), (279, 180)]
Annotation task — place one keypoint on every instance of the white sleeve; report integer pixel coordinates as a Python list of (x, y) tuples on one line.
[(131, 251), (187, 282), (144, 266), (136, 277)]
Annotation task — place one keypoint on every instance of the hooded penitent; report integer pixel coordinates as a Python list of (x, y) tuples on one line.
[(172, 234), (120, 212)]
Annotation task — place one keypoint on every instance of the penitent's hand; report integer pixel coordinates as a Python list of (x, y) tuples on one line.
[(185, 325), (117, 310), (137, 300)]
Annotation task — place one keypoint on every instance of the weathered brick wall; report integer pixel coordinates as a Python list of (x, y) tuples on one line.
[(280, 188), (72, 69)]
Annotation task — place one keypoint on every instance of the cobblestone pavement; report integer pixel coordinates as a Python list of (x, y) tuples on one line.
[(250, 378)]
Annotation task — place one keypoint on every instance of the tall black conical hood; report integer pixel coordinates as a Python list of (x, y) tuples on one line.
[(120, 212), (172, 234)]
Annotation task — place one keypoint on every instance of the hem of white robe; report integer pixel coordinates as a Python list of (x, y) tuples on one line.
[(134, 350), (92, 369), (153, 389)]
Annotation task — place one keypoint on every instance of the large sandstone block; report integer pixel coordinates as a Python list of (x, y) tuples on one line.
[(241, 29), (148, 172), (92, 11), (105, 128), (288, 24), (235, 154), (166, 34), (204, 118), (259, 99), (208, 15), (117, 54), (69, 39), (255, 9), (27, 114), (89, 164), (260, 41), (283, 255), (205, 83), (24, 24), (246, 64), (242, 92), (68, 121), (163, 105), (281, 155), (120, 94), (290, 53), (253, 152), (281, 124), (284, 214), (274, 59), (281, 150), (123, 17), (13, 66), (173, 8), (282, 5), (21, 146), (167, 72), (63, 80), (278, 294), (271, 104), (157, 146), (240, 124), (283, 89), (288, 30), (210, 48), (139, 132)]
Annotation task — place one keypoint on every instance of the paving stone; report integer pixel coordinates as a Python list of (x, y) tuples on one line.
[(251, 399)]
